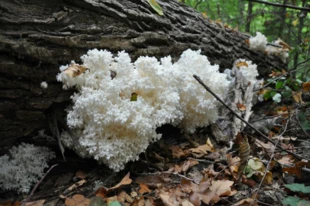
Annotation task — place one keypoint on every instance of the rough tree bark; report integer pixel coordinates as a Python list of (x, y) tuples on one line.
[(37, 36)]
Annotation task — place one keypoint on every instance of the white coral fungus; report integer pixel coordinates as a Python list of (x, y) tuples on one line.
[(44, 85), (259, 42), (277, 48), (249, 70), (23, 167), (120, 104)]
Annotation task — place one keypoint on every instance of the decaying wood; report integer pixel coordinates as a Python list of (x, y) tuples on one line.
[(37, 36)]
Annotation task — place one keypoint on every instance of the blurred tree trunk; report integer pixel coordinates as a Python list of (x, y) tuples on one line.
[(241, 13), (249, 17), (301, 17), (37, 36), (282, 20)]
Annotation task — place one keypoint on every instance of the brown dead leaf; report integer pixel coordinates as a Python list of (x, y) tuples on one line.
[(286, 160), (75, 70), (167, 199), (233, 163), (244, 153), (81, 174), (125, 181), (9, 203), (124, 197), (296, 170), (151, 180), (297, 97), (195, 192), (268, 178), (277, 73), (77, 200), (284, 44), (241, 107), (75, 185), (35, 203), (210, 171), (269, 147), (177, 152), (218, 189), (241, 64), (144, 188), (102, 191), (247, 41), (188, 164), (210, 144), (202, 150), (246, 202), (306, 87), (248, 182), (138, 202)]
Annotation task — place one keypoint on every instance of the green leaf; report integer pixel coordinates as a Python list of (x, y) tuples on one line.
[(267, 95), (156, 7), (248, 171), (255, 164), (295, 201), (114, 203), (134, 97), (279, 84), (272, 93), (287, 92), (97, 201), (298, 188)]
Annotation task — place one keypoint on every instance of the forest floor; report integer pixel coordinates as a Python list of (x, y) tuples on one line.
[(182, 170)]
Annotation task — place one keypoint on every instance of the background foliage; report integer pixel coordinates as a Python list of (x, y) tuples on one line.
[(291, 25)]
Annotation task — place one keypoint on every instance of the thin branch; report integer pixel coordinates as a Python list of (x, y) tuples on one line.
[(197, 4), (269, 162), (244, 121), (282, 5), (38, 183)]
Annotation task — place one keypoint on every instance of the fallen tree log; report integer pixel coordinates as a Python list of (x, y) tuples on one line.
[(37, 36)]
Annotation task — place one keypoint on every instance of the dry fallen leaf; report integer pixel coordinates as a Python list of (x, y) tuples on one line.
[(35, 203), (124, 197), (9, 203), (201, 150), (125, 181), (269, 147), (218, 189), (246, 202), (167, 199), (297, 97), (296, 169), (75, 70), (244, 153), (151, 180), (286, 160), (241, 64), (268, 178), (77, 200), (75, 185), (185, 166), (306, 87), (144, 188), (241, 107), (177, 152), (81, 174), (102, 191), (233, 163)]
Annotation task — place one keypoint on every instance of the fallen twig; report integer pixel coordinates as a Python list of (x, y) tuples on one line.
[(244, 121), (270, 159), (38, 183)]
